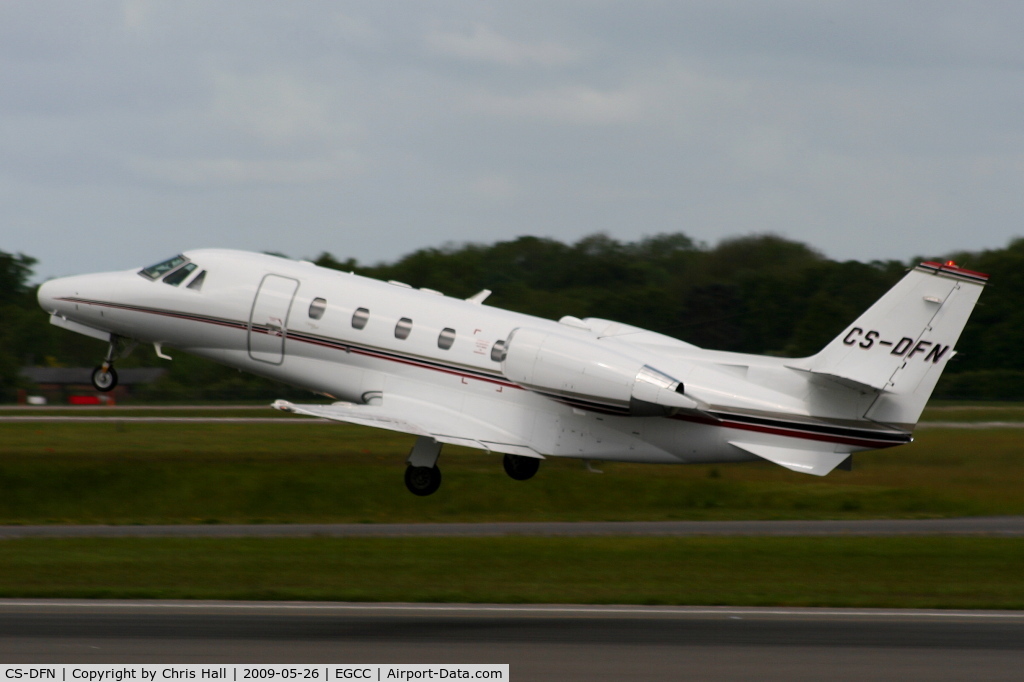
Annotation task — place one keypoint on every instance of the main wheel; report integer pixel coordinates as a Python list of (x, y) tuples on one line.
[(422, 481), (104, 379), (520, 468)]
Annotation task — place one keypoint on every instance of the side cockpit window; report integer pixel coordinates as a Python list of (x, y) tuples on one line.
[(155, 272), (180, 275), (197, 283)]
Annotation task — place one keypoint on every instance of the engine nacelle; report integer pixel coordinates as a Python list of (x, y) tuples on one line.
[(585, 374)]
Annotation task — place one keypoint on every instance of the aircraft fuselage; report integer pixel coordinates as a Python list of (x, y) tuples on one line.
[(459, 371)]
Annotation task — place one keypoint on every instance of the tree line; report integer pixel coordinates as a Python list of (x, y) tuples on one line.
[(752, 294)]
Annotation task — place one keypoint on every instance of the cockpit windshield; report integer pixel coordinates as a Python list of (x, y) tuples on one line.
[(179, 275), (163, 267)]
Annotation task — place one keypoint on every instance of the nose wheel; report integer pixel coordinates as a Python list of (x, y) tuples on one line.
[(104, 377)]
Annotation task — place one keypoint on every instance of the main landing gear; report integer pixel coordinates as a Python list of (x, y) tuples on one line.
[(520, 468), (104, 377), (422, 481), (422, 477)]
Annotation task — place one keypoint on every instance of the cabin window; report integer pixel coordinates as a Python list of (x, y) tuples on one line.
[(155, 272), (446, 338), (360, 317), (403, 328), (498, 351), (197, 283), (179, 275), (317, 308)]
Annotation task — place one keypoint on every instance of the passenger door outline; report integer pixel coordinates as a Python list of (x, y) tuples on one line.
[(268, 319)]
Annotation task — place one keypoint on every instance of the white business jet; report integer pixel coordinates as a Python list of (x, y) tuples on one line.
[(457, 371)]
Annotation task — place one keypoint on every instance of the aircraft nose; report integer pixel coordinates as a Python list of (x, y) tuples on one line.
[(48, 294), (56, 295)]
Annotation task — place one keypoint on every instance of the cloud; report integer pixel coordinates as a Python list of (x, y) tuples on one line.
[(573, 104), (414, 124), (216, 172), (496, 188), (137, 14), (267, 128), (484, 45), (275, 107)]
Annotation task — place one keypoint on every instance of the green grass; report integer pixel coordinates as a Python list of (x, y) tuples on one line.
[(127, 472), (210, 412), (920, 572), (979, 412)]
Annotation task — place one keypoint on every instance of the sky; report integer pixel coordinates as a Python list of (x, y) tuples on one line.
[(137, 129)]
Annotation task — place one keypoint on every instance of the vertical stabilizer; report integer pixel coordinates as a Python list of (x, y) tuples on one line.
[(900, 346)]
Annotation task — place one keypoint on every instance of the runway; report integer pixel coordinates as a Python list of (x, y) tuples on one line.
[(539, 642), (995, 526)]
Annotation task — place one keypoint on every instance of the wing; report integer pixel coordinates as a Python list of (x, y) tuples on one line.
[(419, 418)]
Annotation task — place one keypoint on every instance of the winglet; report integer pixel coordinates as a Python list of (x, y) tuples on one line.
[(284, 406)]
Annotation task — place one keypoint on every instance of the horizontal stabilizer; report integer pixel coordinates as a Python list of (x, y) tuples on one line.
[(801, 461), (408, 415), (846, 382)]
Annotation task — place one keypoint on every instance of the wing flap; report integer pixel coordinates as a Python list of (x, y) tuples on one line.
[(407, 415), (801, 461)]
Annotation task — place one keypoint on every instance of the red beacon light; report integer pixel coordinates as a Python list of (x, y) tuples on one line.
[(951, 264)]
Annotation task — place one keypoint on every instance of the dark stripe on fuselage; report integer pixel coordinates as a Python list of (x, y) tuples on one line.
[(413, 360), (845, 435), (165, 313), (583, 404), (312, 339)]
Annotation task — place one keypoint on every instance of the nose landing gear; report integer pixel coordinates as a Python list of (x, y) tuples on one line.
[(104, 377)]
